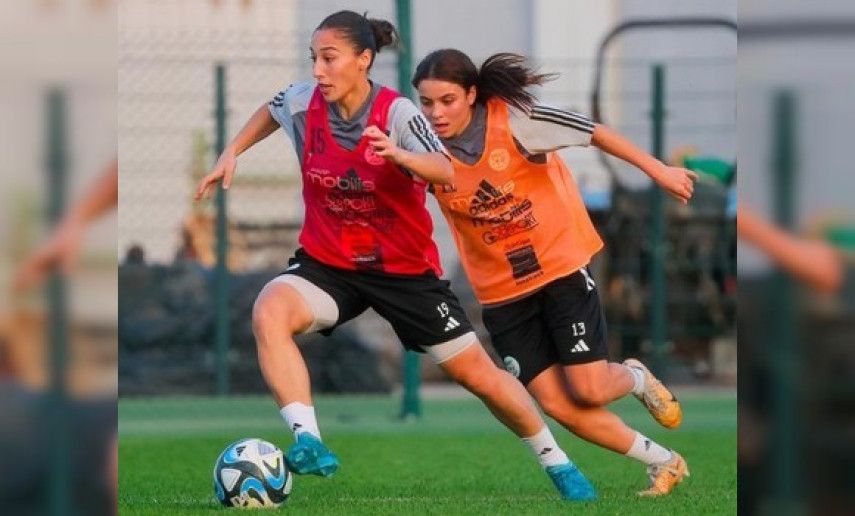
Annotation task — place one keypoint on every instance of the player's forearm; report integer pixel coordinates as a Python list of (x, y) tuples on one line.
[(776, 243), (101, 196), (433, 167), (260, 125), (813, 261), (752, 228), (613, 143)]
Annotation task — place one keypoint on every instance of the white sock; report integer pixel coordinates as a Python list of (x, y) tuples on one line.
[(545, 448), (638, 377), (300, 418), (648, 451)]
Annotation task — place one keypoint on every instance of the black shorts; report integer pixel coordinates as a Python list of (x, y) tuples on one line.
[(561, 323), (422, 309)]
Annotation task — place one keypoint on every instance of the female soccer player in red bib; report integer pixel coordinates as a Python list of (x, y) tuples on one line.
[(367, 155), (525, 239)]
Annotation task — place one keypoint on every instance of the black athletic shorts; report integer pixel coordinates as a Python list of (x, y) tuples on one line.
[(562, 322), (422, 309)]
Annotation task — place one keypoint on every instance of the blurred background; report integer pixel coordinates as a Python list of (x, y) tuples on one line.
[(797, 244), (58, 352), (190, 69)]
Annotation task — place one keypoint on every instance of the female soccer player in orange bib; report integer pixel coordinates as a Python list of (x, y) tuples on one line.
[(525, 239), (367, 156)]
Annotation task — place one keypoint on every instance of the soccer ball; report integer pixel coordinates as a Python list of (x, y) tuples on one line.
[(252, 473)]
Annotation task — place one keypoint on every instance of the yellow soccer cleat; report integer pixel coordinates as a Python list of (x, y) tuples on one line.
[(661, 404), (664, 477)]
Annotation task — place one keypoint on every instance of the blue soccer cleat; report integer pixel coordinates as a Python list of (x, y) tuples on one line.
[(309, 456), (571, 483)]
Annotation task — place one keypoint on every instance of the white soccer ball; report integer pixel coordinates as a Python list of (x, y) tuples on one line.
[(251, 473)]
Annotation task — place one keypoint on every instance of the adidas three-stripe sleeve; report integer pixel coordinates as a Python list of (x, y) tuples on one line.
[(547, 129)]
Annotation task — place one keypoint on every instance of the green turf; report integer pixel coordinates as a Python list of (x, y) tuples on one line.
[(456, 460)]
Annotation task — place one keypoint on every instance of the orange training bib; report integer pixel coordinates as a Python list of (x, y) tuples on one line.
[(518, 225)]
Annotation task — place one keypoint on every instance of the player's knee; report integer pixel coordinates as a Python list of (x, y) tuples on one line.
[(589, 395), (479, 382), (552, 407), (262, 316), (267, 313)]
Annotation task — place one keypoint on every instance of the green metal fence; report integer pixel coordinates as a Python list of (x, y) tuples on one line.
[(56, 151)]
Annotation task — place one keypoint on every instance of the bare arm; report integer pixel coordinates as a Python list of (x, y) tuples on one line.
[(811, 261), (433, 167), (63, 246), (103, 195), (677, 181), (260, 125)]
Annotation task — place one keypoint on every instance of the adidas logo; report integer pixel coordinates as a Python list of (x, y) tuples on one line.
[(580, 347), (487, 198), (545, 451), (589, 283), (451, 324)]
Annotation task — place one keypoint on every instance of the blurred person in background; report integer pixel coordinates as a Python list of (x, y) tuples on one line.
[(25, 431), (367, 156), (525, 239), (821, 269)]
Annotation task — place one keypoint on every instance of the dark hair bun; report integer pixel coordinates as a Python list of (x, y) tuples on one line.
[(385, 34)]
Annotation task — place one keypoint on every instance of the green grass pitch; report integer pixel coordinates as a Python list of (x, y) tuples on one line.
[(456, 460)]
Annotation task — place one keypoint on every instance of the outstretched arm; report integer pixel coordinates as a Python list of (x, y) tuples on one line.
[(63, 247), (677, 181), (812, 261), (260, 126)]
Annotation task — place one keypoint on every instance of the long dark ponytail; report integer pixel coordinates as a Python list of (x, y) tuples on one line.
[(504, 75)]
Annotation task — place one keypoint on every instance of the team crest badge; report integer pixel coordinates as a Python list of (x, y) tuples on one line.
[(512, 366), (499, 159), (372, 157)]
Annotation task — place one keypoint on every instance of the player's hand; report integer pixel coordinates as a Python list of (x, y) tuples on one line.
[(60, 251), (678, 182), (381, 144), (223, 171)]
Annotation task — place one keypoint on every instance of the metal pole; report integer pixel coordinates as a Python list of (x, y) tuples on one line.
[(57, 173), (785, 402), (658, 300), (222, 272), (410, 404)]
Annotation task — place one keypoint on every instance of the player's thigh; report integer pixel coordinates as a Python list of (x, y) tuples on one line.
[(588, 379), (520, 337), (576, 324), (471, 366), (309, 296), (425, 314)]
